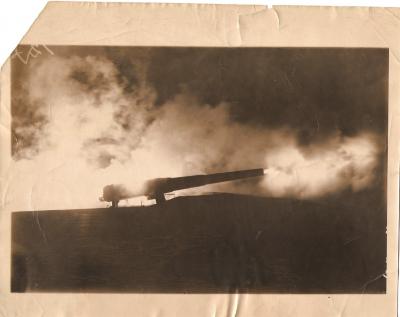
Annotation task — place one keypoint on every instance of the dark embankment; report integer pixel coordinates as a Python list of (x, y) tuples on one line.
[(215, 243)]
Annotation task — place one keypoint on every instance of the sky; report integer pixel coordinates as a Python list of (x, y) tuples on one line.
[(85, 117)]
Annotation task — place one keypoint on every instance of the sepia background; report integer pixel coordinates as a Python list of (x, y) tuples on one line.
[(314, 119), (250, 39)]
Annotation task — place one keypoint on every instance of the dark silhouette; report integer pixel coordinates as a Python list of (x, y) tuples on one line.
[(158, 187), (205, 244)]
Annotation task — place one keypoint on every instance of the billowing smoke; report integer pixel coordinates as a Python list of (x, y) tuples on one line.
[(340, 164), (91, 132)]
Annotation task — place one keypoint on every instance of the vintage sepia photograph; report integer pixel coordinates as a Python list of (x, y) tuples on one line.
[(198, 169)]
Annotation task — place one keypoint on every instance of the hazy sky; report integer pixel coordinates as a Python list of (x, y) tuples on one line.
[(316, 117)]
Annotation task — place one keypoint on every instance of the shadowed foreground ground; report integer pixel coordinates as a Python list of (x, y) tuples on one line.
[(215, 243)]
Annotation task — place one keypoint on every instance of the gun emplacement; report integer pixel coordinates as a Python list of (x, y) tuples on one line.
[(158, 187)]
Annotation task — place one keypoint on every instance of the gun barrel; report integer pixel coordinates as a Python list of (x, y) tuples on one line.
[(184, 182), (156, 188)]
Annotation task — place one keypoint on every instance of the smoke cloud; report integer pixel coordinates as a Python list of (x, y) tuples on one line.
[(343, 163), (89, 132)]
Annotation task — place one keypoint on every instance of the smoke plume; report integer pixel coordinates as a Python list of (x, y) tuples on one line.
[(89, 132)]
